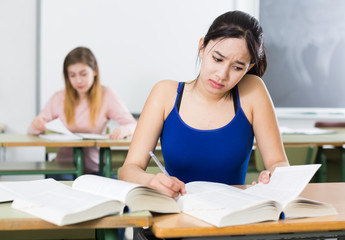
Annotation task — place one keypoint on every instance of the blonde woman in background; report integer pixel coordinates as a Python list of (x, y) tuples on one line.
[(84, 106)]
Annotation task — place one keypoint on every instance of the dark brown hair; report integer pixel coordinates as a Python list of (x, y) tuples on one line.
[(237, 24)]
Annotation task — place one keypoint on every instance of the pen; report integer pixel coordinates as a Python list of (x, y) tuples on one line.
[(159, 164)]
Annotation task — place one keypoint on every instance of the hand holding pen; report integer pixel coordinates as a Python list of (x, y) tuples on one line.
[(164, 182)]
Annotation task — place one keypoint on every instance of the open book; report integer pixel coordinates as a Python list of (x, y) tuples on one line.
[(89, 197), (222, 205), (218, 204), (62, 133)]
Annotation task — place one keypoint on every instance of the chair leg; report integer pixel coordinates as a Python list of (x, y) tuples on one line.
[(78, 160), (108, 163), (322, 173), (101, 162), (342, 164), (107, 234)]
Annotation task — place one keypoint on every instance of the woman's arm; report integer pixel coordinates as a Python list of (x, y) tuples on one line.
[(49, 112), (259, 109), (118, 111), (157, 107)]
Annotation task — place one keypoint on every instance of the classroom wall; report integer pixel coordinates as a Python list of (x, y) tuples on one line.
[(18, 95), (18, 72), (19, 69), (137, 43)]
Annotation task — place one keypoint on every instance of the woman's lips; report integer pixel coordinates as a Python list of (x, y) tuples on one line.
[(215, 84)]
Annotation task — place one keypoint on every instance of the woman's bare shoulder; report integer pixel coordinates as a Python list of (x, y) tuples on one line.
[(250, 80), (252, 86), (166, 86), (164, 89), (163, 95)]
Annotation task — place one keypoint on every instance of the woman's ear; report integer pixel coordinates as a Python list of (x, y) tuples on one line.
[(201, 47)]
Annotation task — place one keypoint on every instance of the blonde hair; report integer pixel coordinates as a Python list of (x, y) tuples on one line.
[(94, 95)]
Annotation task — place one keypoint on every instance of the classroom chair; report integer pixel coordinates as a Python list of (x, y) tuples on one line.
[(49, 151), (321, 124), (334, 154), (118, 157)]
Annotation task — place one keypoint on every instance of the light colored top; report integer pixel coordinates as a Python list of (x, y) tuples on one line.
[(112, 108)]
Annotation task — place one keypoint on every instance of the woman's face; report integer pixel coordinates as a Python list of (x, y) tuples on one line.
[(224, 63), (81, 77)]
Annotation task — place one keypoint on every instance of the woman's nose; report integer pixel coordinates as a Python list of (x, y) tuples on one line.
[(78, 78), (222, 72)]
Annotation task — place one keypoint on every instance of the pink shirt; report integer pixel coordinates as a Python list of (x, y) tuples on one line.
[(112, 108)]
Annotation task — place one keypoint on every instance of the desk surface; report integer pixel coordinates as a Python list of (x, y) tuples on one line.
[(336, 139), (113, 143), (183, 225), (24, 140)]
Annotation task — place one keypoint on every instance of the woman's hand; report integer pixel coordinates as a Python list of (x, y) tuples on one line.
[(39, 124), (264, 177), (169, 185), (120, 133)]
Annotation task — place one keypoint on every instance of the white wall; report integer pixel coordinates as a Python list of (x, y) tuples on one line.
[(17, 63), (18, 72), (137, 43)]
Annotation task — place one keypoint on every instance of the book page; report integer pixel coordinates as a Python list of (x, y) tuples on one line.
[(54, 201), (92, 136), (111, 188), (26, 188), (6, 196), (286, 183), (62, 133), (56, 125), (59, 137), (212, 201)]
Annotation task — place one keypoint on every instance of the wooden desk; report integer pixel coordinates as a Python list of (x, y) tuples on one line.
[(15, 224), (183, 225), (23, 140)]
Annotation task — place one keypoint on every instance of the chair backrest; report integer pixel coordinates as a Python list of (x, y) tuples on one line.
[(330, 124), (298, 155)]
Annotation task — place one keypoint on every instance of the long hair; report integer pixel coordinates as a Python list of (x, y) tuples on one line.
[(94, 95), (237, 24)]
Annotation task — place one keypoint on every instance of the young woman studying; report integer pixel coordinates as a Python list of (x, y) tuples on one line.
[(207, 126), (84, 106)]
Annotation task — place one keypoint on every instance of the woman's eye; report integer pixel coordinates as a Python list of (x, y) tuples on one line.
[(238, 68), (217, 59)]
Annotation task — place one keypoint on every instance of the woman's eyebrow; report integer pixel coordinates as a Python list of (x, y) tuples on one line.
[(237, 61), (220, 54)]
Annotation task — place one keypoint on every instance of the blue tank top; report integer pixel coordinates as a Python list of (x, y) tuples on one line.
[(217, 155)]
